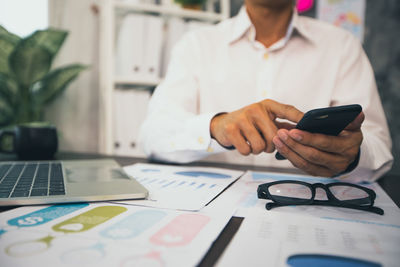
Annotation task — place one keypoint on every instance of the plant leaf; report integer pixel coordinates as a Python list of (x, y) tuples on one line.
[(14, 38), (6, 112), (7, 45), (29, 62), (9, 90), (50, 39), (10, 100), (3, 30), (54, 83)]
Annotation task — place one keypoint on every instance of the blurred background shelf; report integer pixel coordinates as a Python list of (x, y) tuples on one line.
[(128, 81), (126, 7), (112, 14), (103, 109)]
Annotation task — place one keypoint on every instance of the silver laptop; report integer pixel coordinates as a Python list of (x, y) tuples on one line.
[(44, 182)]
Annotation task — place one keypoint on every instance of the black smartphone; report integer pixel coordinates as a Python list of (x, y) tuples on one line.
[(329, 121)]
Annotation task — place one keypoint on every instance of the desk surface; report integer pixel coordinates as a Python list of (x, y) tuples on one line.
[(390, 183)]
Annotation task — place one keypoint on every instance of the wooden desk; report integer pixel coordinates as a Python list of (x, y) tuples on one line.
[(390, 183)]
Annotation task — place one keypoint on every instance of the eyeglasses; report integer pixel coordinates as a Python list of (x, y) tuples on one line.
[(345, 195)]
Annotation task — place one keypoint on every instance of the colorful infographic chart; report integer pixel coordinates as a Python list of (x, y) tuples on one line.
[(105, 234), (183, 188)]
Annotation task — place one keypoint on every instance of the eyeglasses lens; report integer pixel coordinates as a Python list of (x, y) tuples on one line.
[(351, 195), (290, 193)]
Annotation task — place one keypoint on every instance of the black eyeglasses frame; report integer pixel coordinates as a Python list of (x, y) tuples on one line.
[(263, 193)]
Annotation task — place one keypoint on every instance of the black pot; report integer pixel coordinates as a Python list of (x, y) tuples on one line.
[(31, 142)]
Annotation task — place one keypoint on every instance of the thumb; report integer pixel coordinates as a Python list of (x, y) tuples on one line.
[(356, 123)]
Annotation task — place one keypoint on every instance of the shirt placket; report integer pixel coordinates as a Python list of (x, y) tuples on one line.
[(264, 67), (264, 77), (264, 70)]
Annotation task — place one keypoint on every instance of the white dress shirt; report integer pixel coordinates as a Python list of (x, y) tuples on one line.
[(222, 68)]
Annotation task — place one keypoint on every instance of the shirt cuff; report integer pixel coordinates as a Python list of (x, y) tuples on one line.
[(366, 170), (351, 166), (200, 127)]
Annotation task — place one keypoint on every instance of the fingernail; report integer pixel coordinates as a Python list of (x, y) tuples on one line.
[(296, 136), (282, 135)]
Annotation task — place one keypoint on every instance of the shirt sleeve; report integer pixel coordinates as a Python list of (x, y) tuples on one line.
[(173, 130), (356, 85)]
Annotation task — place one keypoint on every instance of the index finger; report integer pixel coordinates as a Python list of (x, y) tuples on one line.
[(356, 123), (282, 111)]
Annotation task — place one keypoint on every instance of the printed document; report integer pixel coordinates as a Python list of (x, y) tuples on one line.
[(105, 234), (243, 196), (283, 239), (183, 188)]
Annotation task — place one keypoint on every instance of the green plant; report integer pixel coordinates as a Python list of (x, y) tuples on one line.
[(190, 2), (27, 84)]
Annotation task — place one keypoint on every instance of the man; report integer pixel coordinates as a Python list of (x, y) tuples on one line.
[(239, 83)]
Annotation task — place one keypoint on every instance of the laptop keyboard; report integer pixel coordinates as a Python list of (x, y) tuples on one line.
[(31, 179)]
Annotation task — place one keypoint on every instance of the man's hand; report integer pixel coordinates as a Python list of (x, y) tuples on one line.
[(251, 129), (319, 154)]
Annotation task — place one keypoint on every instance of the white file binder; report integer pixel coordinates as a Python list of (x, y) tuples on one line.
[(153, 40), (176, 27), (129, 47), (130, 109)]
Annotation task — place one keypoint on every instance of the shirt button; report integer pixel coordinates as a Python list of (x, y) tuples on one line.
[(210, 150), (200, 140), (266, 55)]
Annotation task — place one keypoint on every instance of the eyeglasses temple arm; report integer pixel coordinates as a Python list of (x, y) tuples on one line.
[(377, 210), (373, 209)]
